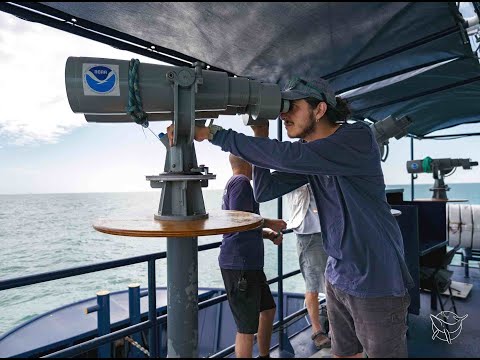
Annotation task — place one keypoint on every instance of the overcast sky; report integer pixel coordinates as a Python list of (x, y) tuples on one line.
[(46, 148)]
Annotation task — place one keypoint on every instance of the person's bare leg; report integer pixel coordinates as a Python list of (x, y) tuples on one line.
[(265, 327), (243, 345), (311, 301)]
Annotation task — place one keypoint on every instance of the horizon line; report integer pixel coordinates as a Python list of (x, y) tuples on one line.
[(145, 191)]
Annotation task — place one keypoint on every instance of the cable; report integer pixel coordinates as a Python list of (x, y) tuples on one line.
[(451, 172), (154, 134)]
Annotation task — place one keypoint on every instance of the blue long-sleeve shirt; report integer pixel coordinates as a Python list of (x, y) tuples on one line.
[(361, 236), (241, 250)]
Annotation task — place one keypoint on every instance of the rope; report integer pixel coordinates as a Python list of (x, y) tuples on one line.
[(135, 107), (137, 345)]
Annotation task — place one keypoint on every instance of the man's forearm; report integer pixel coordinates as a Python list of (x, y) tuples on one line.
[(265, 152), (268, 186), (269, 223), (265, 233)]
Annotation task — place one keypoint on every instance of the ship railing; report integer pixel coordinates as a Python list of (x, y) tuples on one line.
[(153, 320)]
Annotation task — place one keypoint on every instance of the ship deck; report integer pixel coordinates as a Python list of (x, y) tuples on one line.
[(420, 343)]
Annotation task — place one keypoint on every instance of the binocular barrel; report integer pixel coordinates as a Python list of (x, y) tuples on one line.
[(98, 86)]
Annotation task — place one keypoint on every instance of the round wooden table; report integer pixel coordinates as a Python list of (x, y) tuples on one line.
[(182, 264), (218, 222)]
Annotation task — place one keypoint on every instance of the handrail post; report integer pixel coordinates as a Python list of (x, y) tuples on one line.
[(134, 314), (218, 322), (283, 341), (103, 320), (152, 310), (412, 176)]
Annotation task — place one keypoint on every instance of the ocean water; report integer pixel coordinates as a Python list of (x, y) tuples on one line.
[(46, 232)]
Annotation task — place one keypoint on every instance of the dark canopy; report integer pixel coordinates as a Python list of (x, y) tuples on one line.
[(351, 44), (442, 97)]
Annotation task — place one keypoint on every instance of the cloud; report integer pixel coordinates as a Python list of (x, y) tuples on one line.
[(22, 171), (13, 24), (35, 107), (33, 117)]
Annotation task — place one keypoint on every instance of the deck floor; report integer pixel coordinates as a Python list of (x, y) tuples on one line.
[(420, 343)]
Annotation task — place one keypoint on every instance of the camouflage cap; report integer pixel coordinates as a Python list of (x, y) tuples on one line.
[(300, 89)]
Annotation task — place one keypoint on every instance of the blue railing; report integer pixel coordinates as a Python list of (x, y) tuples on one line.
[(153, 321)]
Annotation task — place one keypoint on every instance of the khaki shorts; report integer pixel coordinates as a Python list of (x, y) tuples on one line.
[(312, 260), (376, 325)]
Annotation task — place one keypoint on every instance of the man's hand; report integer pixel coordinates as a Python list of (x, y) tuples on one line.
[(260, 130), (275, 237), (276, 225), (201, 133)]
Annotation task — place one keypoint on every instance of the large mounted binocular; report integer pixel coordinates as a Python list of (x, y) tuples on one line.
[(440, 168), (437, 166), (99, 88), (116, 91), (388, 128)]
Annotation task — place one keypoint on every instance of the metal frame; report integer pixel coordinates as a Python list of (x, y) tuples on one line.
[(425, 40), (420, 94), (453, 136)]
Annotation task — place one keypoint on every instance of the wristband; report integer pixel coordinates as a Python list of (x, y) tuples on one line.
[(212, 130)]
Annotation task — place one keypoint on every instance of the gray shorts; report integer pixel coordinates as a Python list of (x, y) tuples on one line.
[(312, 259), (378, 325)]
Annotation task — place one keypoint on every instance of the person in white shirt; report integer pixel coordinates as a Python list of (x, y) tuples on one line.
[(312, 258)]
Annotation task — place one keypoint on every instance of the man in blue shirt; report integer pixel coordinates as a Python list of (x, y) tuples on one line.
[(241, 262), (366, 274)]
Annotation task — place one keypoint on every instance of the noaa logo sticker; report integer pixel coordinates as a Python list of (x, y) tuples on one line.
[(100, 79), (414, 166)]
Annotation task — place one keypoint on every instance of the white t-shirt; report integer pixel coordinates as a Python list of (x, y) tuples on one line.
[(304, 214)]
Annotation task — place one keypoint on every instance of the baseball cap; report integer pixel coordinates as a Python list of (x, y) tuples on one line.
[(320, 89)]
